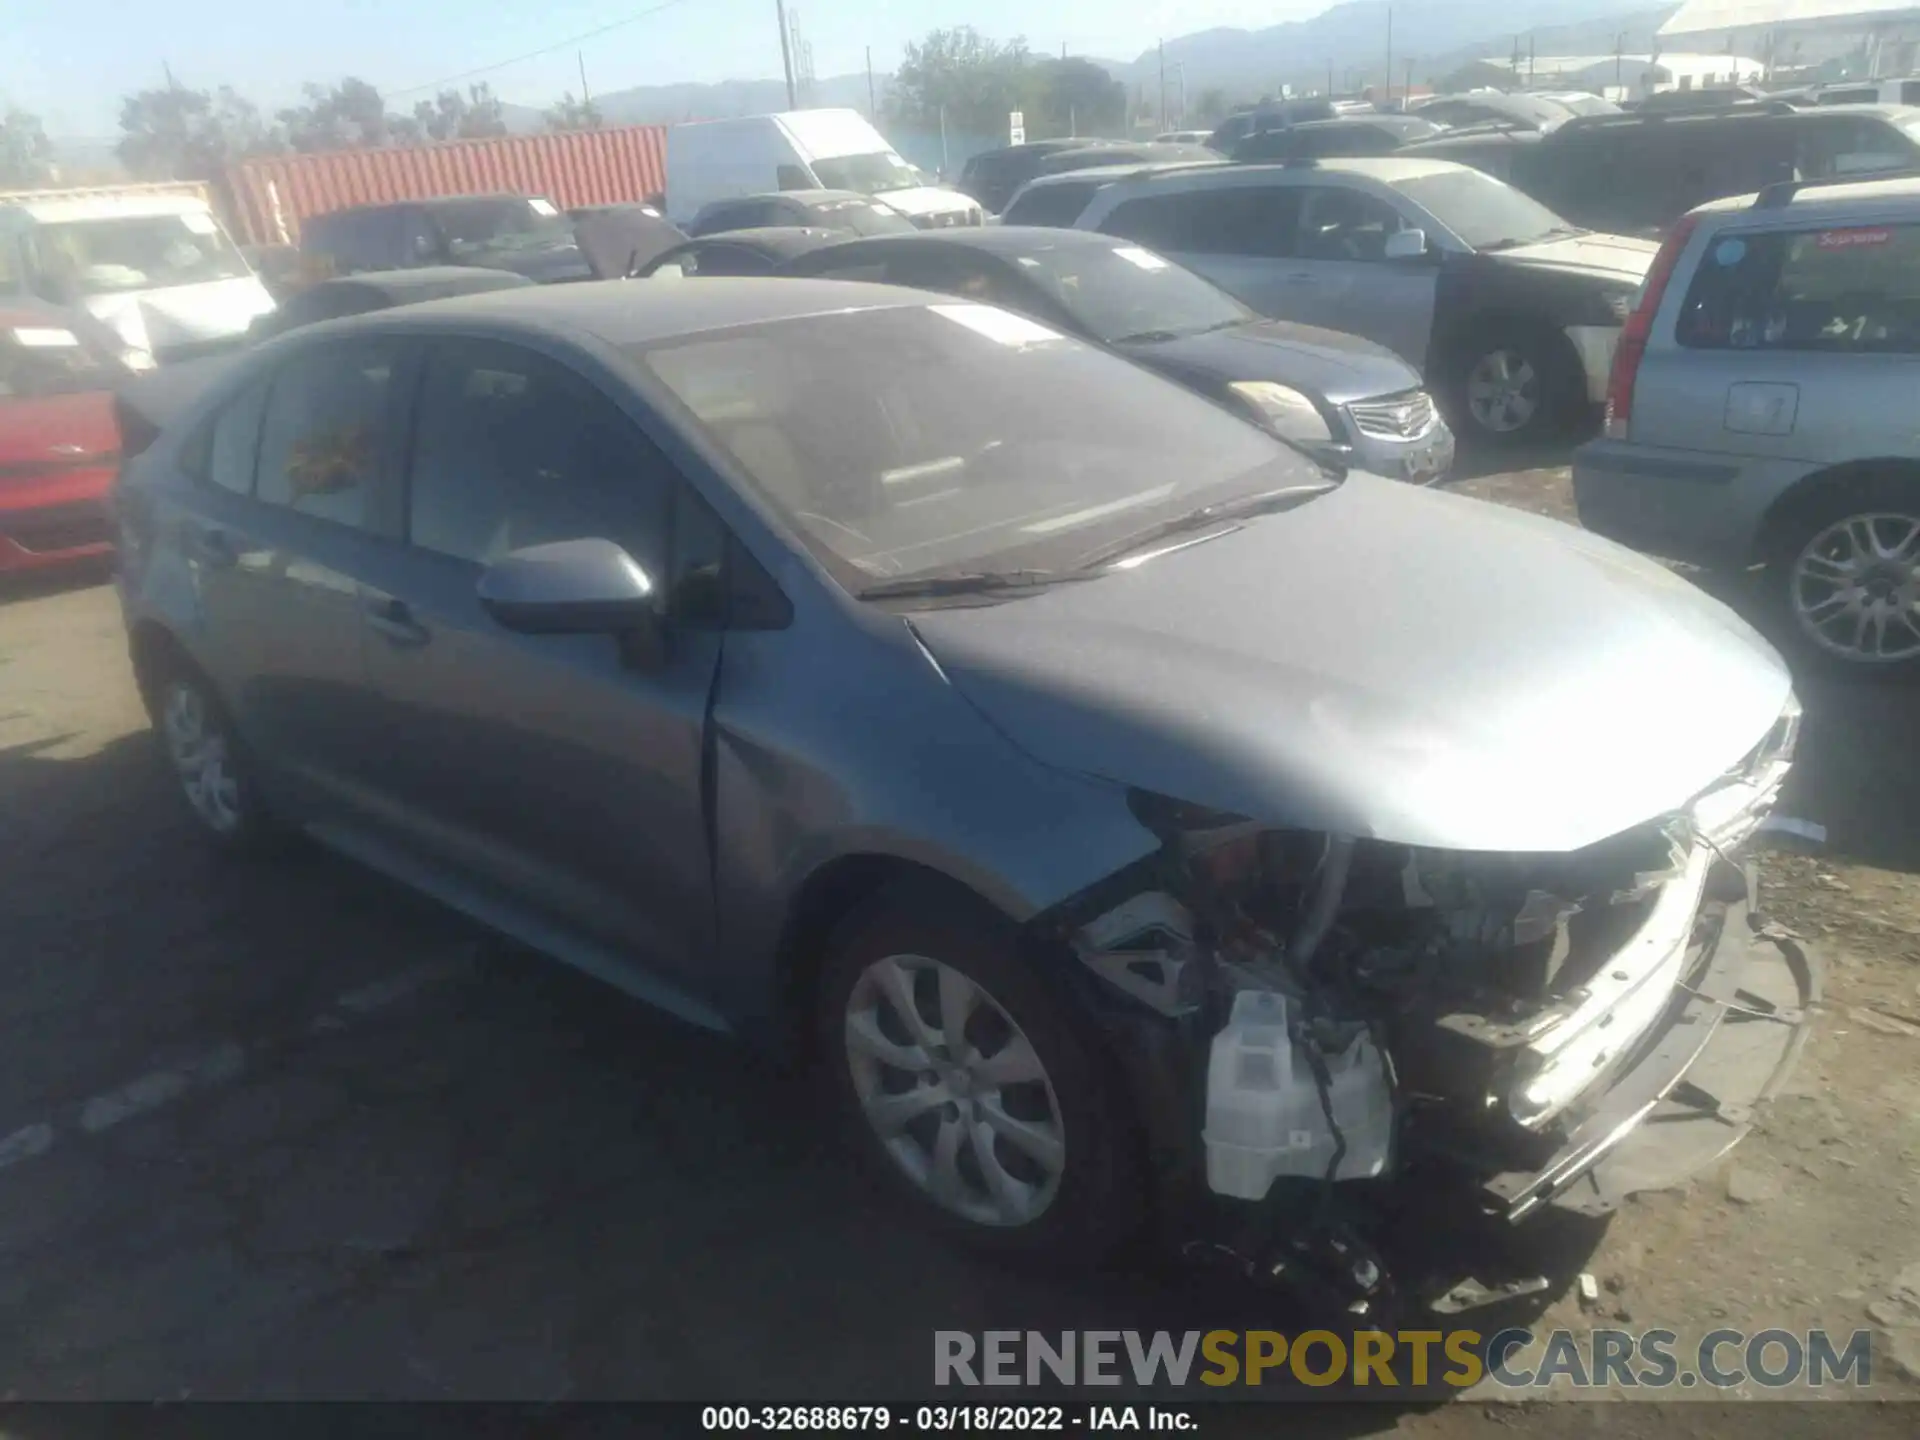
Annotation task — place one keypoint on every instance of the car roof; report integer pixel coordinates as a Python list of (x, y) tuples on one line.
[(65, 208), (805, 197), (781, 240), (1387, 169), (427, 201), (1826, 195), (1107, 174), (638, 312), (429, 282)]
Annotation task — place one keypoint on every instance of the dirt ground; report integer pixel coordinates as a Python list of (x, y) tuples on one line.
[(293, 1133)]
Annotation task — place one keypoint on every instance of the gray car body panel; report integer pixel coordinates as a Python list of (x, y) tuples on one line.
[(1379, 661), (1404, 665)]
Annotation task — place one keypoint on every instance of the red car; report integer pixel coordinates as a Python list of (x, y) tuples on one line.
[(59, 444)]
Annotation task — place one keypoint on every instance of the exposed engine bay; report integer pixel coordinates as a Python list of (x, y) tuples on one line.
[(1347, 1010)]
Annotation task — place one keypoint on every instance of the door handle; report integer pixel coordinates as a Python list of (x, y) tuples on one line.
[(210, 546), (393, 620)]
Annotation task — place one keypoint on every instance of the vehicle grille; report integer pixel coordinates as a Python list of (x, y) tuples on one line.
[(1398, 417), (57, 527)]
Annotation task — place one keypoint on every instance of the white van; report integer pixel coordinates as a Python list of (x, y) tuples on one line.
[(156, 269), (710, 160)]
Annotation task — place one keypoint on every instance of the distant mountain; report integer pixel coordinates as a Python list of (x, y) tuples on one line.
[(1437, 35), (1351, 40)]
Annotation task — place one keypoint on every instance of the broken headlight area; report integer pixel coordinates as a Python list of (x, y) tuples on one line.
[(1335, 1015)]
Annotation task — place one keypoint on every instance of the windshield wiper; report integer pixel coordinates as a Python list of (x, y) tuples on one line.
[(1247, 506), (971, 582), (1152, 337), (1514, 242)]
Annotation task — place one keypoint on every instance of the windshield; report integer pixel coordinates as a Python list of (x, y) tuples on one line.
[(1122, 292), (951, 438), (1482, 211), (133, 252), (869, 174), (474, 226)]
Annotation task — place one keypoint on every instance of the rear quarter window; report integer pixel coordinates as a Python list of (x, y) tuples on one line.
[(1057, 205), (1845, 289)]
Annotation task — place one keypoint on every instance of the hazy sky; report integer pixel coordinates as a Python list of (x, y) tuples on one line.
[(70, 60)]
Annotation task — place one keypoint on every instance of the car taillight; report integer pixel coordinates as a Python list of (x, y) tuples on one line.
[(1632, 345)]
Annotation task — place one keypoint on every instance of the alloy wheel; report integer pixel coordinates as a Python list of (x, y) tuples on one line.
[(197, 744), (1503, 392), (1855, 588), (954, 1091)]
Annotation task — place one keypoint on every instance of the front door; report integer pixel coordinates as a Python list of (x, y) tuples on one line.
[(545, 764), (1341, 279)]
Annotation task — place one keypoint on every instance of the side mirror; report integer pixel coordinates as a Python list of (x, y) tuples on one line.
[(1406, 245), (577, 587)]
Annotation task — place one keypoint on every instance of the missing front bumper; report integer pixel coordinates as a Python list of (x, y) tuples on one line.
[(1728, 1042)]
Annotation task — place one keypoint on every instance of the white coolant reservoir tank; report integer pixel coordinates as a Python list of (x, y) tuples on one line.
[(1264, 1118)]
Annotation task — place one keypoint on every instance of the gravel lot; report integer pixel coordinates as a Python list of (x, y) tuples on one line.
[(288, 1132)]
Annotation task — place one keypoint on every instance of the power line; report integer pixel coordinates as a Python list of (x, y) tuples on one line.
[(536, 54)]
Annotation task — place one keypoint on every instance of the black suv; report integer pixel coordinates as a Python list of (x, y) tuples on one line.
[(524, 234), (1636, 174)]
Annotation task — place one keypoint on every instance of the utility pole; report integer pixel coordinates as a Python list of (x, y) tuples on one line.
[(1161, 118), (1389, 57), (1329, 79), (786, 51), (586, 100), (1529, 61), (1406, 91), (873, 111), (172, 84), (1619, 57)]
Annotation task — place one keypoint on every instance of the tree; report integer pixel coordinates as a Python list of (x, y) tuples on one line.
[(174, 134), (453, 116), (1076, 97), (350, 116), (26, 155), (572, 114), (1212, 106), (973, 80)]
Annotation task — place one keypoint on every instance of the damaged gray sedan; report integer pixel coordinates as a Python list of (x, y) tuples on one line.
[(1126, 817)]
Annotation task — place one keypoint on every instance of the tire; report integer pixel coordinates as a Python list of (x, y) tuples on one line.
[(212, 771), (1842, 578), (1010, 1133), (1510, 386)]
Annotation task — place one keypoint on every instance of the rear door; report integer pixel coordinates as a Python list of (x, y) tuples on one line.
[(296, 513), (1241, 237), (544, 764), (1800, 344)]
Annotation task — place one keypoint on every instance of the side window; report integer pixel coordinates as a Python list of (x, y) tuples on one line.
[(321, 440), (724, 260), (1256, 220), (511, 450), (792, 177), (419, 240), (234, 442), (1842, 145), (1854, 289), (871, 271), (1341, 224), (1050, 205)]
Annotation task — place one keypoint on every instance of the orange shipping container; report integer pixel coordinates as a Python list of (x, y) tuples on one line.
[(273, 194)]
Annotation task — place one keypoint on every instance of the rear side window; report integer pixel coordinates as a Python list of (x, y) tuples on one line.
[(724, 260), (234, 442), (1854, 289), (1848, 145), (369, 240), (320, 442), (1255, 220), (1049, 205)]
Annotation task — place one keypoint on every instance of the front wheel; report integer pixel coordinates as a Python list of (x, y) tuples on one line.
[(1512, 387), (210, 763), (971, 1086)]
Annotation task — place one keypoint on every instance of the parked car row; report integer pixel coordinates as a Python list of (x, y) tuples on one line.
[(1116, 811)]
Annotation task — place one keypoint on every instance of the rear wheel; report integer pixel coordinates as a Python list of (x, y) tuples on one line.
[(1845, 577), (209, 761), (968, 1084)]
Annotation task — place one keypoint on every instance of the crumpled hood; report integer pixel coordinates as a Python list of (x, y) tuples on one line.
[(925, 200), (1340, 367), (1382, 661), (1613, 257), (182, 314)]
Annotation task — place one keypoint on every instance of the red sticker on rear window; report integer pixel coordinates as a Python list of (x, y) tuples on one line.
[(1852, 239)]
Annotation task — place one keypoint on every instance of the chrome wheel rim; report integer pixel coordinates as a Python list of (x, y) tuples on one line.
[(1503, 392), (954, 1091), (197, 745), (1855, 588)]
